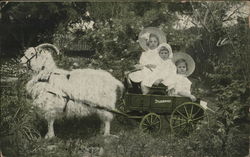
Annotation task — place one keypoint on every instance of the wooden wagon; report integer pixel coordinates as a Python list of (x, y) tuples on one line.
[(183, 114)]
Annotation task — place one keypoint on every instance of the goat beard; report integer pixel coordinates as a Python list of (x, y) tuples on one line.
[(25, 71)]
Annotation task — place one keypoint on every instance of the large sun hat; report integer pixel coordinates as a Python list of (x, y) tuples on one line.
[(189, 60), (145, 33)]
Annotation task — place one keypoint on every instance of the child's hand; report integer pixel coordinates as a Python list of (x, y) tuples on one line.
[(150, 66), (157, 82), (138, 67), (171, 91), (193, 98)]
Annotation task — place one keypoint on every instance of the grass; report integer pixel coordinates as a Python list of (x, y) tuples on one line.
[(81, 137)]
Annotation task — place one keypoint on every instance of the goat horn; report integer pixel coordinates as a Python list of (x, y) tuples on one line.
[(49, 45)]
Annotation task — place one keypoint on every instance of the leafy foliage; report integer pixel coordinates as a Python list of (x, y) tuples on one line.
[(26, 24), (222, 74)]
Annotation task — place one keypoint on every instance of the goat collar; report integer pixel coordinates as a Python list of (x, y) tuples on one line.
[(48, 75)]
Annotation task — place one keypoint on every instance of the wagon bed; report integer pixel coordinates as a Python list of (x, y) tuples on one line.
[(160, 104)]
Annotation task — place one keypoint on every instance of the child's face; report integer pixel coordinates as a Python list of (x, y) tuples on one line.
[(181, 68), (164, 54), (153, 43)]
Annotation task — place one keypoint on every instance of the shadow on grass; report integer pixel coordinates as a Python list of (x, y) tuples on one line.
[(73, 128)]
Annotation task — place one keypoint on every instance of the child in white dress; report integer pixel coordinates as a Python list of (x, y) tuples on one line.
[(164, 72), (185, 67), (148, 59)]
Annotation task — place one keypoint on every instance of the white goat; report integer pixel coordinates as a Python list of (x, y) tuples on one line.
[(58, 92)]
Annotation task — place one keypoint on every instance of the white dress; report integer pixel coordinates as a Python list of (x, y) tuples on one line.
[(165, 70), (147, 57), (182, 84)]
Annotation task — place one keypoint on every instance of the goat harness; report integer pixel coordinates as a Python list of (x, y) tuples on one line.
[(29, 59), (91, 105), (66, 97)]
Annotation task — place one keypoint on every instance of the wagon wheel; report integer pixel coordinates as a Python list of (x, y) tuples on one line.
[(151, 123), (185, 118)]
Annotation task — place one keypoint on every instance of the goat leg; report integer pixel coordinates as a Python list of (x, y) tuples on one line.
[(50, 132)]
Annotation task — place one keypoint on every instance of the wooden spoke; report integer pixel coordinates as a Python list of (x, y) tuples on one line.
[(179, 125), (181, 114), (147, 119), (191, 112), (181, 130), (196, 112), (199, 118), (186, 111), (151, 119), (179, 119), (156, 122)]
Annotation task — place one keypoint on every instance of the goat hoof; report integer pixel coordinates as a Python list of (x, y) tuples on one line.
[(114, 136), (49, 136), (51, 147), (101, 151), (111, 136)]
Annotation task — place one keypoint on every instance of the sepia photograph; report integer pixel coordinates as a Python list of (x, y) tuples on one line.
[(124, 78)]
